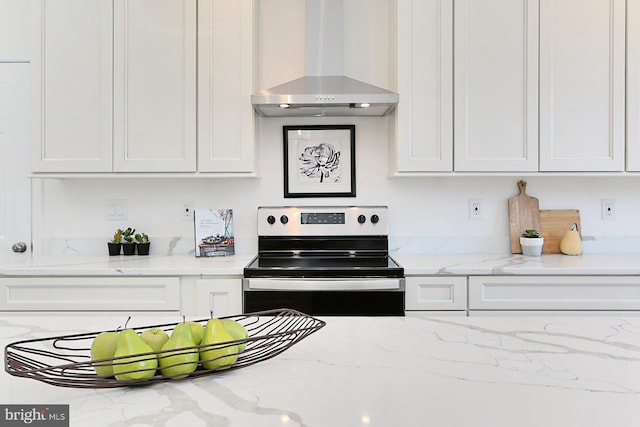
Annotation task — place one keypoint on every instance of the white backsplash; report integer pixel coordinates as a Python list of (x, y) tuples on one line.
[(426, 214), (184, 245)]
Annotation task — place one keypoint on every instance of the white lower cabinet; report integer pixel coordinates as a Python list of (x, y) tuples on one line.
[(90, 294), (435, 295), (218, 296), (558, 293)]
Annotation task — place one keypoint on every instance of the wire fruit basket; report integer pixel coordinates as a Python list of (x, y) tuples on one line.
[(65, 361)]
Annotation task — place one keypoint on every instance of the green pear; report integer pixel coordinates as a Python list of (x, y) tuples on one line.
[(104, 347), (130, 344), (213, 356), (155, 337), (237, 331), (197, 330), (180, 363)]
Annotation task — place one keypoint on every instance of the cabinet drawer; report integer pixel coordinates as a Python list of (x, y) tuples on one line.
[(90, 294), (436, 293), (554, 292)]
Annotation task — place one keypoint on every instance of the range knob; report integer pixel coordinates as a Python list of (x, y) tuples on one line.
[(375, 218), (361, 219), (284, 219), (271, 219)]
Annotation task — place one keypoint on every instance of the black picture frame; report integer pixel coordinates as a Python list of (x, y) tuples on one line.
[(319, 161)]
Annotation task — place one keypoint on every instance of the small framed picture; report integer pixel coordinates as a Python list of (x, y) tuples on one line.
[(320, 161)]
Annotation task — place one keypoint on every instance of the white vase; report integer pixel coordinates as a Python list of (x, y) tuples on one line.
[(531, 246)]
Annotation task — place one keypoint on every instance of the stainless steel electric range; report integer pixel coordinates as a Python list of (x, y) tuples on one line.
[(324, 261)]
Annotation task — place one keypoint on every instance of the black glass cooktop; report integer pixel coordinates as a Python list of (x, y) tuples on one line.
[(323, 266)]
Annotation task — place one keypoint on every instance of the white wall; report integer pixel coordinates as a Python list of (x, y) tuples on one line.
[(426, 214)]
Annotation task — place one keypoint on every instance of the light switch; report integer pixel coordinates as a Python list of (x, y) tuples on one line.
[(116, 209)]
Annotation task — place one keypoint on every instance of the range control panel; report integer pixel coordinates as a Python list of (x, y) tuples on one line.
[(322, 221)]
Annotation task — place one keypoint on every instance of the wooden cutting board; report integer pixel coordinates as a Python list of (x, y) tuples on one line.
[(553, 225), (524, 213)]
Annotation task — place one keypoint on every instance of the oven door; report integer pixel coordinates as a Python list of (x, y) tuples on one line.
[(326, 296)]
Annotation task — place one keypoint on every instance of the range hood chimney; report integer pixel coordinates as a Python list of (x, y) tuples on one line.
[(324, 90)]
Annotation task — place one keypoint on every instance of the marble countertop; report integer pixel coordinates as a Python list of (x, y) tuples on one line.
[(506, 264), (483, 371), (135, 265), (414, 264)]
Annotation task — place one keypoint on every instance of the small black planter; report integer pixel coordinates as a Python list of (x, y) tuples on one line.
[(114, 248), (129, 248), (143, 248)]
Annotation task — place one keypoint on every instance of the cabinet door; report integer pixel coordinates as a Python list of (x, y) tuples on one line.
[(633, 85), (226, 133), (423, 128), (219, 297), (155, 86), (582, 85), (71, 86), (436, 293), (15, 185), (496, 85)]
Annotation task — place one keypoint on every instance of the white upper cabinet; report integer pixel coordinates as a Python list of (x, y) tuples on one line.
[(496, 85), (633, 85), (72, 85), (582, 85), (154, 86), (538, 85), (130, 86), (422, 133), (226, 133)]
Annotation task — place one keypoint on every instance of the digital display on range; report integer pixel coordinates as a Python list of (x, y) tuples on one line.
[(322, 218)]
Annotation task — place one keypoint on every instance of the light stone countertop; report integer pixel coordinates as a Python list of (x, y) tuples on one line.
[(445, 372), (134, 265), (414, 264), (508, 264)]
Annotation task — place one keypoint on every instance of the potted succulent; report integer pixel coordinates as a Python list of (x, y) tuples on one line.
[(128, 246), (115, 245), (142, 243), (531, 242)]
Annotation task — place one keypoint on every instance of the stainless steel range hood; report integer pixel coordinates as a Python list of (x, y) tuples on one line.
[(324, 96), (324, 91)]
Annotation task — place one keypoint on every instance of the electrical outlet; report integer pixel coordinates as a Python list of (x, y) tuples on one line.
[(608, 209), (475, 208), (187, 211)]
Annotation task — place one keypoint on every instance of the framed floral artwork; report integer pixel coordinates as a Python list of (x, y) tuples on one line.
[(319, 161)]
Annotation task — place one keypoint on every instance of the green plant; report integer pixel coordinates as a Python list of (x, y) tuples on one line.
[(141, 238), (128, 234), (117, 236), (531, 233)]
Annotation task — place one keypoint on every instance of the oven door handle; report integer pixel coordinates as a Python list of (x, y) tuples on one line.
[(324, 285)]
